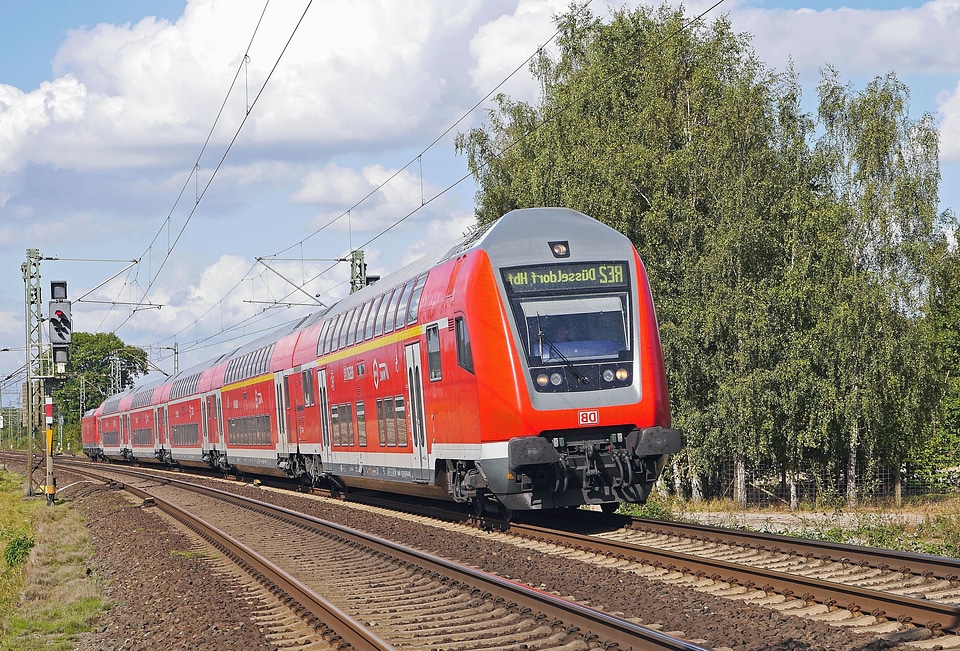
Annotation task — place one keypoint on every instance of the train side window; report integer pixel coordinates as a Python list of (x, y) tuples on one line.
[(286, 392), (381, 427), (362, 320), (352, 326), (372, 317), (361, 425), (415, 300), (323, 333), (325, 340), (401, 315), (329, 338), (346, 415), (401, 421), (388, 319), (389, 418), (335, 423), (433, 352), (378, 328), (344, 329), (307, 388), (464, 353), (334, 329)]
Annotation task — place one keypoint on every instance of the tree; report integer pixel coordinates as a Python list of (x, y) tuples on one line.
[(792, 281), (676, 135), (883, 170), (98, 365)]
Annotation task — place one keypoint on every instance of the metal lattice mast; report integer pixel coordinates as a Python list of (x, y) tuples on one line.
[(358, 271), (39, 361)]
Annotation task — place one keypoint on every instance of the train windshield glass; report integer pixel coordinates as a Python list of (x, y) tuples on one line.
[(588, 327)]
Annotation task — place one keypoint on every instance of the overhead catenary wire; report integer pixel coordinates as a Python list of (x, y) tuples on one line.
[(424, 202), (418, 159), (165, 225)]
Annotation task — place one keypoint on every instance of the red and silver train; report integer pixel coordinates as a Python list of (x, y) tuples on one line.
[(521, 368)]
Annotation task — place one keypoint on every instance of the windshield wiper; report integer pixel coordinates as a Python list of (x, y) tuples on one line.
[(542, 337)]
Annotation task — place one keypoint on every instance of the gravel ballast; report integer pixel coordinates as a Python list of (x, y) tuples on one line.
[(168, 597)]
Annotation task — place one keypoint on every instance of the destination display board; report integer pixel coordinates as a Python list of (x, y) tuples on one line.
[(566, 277)]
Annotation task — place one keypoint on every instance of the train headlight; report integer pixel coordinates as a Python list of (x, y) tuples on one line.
[(622, 374), (556, 379), (542, 379), (560, 249), (607, 375)]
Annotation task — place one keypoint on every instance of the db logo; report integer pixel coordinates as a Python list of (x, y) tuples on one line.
[(589, 417)]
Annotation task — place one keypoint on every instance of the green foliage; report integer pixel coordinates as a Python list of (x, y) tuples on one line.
[(797, 265), (653, 509), (45, 604), (940, 535), (17, 549), (90, 373)]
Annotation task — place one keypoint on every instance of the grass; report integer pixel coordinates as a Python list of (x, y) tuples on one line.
[(190, 553), (47, 594), (926, 527)]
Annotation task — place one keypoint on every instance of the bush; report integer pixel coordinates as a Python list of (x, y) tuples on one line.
[(17, 550), (653, 509)]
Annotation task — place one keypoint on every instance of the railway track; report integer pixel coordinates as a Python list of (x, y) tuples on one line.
[(382, 595), (875, 599), (838, 584), (899, 594)]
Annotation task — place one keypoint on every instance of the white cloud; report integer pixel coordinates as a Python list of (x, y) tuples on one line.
[(949, 109), (504, 43), (354, 73), (856, 41), (336, 189), (439, 233), (25, 115)]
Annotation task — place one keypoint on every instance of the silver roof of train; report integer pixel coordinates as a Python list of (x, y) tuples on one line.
[(512, 239)]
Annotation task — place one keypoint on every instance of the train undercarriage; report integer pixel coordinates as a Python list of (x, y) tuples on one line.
[(559, 469), (566, 469)]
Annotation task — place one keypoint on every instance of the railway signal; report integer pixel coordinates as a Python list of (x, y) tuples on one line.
[(61, 322)]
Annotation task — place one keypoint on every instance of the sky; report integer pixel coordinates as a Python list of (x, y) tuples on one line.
[(238, 149)]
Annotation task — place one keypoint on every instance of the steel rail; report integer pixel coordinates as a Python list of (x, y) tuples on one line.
[(905, 609), (599, 624), (905, 562), (595, 624), (340, 623)]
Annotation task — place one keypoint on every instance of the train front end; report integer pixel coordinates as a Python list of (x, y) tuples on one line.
[(591, 421)]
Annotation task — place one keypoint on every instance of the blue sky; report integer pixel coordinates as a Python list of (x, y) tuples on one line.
[(104, 108)]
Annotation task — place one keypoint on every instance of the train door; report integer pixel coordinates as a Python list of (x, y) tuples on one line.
[(160, 419), (324, 412), (421, 464), (295, 408), (203, 425), (281, 407), (212, 419)]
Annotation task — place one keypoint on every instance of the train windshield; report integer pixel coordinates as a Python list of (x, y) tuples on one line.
[(568, 329), (572, 312)]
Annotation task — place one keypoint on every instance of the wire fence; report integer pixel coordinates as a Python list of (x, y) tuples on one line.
[(824, 485)]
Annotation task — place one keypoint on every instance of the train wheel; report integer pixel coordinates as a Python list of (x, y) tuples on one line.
[(506, 514)]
